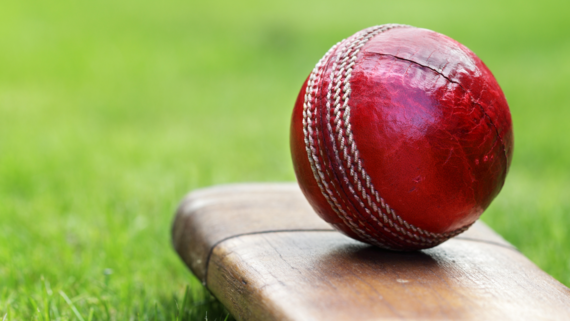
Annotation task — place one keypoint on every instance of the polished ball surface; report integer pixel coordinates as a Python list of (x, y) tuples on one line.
[(401, 137)]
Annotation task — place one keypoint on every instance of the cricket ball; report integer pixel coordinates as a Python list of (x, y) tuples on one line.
[(401, 137)]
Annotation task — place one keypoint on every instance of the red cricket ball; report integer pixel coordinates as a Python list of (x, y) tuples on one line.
[(401, 137)]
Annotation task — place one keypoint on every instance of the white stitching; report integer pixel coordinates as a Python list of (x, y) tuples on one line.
[(334, 86), (365, 236), (308, 124)]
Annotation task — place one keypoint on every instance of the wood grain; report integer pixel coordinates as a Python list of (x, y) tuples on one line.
[(263, 252)]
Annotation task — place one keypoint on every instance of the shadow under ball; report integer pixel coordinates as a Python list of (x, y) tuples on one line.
[(401, 137)]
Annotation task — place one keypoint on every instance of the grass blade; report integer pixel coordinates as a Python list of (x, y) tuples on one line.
[(71, 305), (34, 305), (155, 310), (47, 302), (105, 307), (90, 317), (47, 315), (55, 310)]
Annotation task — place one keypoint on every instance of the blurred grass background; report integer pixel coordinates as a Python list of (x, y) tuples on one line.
[(110, 111)]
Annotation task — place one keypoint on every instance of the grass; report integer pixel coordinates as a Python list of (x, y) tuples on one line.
[(110, 111)]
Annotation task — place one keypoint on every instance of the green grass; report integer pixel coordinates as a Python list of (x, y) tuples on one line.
[(110, 111)]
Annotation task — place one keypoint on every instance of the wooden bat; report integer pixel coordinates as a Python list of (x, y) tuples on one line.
[(262, 251)]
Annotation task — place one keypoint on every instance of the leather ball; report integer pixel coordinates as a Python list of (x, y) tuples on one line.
[(401, 137)]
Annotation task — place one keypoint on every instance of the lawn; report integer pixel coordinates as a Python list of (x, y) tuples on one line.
[(110, 111)]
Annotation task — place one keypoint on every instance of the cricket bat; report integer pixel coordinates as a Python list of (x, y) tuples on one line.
[(263, 252)]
